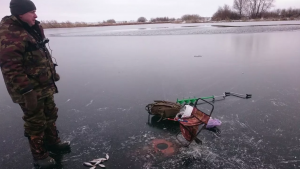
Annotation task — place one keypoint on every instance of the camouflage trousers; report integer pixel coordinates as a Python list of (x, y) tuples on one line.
[(45, 115)]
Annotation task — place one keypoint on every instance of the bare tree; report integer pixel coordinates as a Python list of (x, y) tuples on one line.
[(111, 21), (240, 6), (225, 13), (142, 19), (256, 8)]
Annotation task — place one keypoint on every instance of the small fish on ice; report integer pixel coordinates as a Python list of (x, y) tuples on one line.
[(93, 164), (101, 165), (88, 164)]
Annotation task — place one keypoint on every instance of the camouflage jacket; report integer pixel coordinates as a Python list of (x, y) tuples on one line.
[(25, 61)]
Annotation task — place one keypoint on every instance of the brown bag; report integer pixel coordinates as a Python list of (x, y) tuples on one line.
[(164, 109)]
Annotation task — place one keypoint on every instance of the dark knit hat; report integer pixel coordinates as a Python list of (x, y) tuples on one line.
[(20, 7)]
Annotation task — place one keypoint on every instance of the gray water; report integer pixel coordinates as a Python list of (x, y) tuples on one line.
[(109, 75)]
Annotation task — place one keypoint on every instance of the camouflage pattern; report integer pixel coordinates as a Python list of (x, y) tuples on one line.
[(25, 63), (36, 147), (51, 134), (42, 118), (40, 127)]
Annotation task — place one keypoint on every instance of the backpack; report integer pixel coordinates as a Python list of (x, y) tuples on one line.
[(164, 109)]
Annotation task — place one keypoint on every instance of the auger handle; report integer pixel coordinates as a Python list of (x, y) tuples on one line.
[(245, 96)]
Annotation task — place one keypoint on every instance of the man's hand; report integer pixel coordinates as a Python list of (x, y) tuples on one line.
[(30, 100)]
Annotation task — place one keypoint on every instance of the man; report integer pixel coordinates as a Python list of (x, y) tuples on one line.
[(30, 76)]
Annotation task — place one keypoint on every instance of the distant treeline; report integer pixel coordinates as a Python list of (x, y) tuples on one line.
[(187, 18), (193, 18), (67, 24), (241, 10), (254, 9)]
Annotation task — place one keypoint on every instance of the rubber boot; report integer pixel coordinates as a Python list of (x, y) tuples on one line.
[(41, 157), (53, 142), (47, 163)]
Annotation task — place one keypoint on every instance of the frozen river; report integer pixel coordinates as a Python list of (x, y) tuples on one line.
[(109, 75)]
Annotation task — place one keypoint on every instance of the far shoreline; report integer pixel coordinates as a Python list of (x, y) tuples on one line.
[(83, 24)]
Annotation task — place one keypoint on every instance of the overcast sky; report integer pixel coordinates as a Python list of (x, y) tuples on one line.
[(126, 10)]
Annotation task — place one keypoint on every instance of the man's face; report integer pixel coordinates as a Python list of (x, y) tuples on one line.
[(29, 18)]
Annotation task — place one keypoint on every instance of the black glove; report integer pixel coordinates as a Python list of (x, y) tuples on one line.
[(30, 100), (56, 77)]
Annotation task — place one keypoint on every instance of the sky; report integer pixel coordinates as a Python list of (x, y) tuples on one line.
[(126, 10)]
